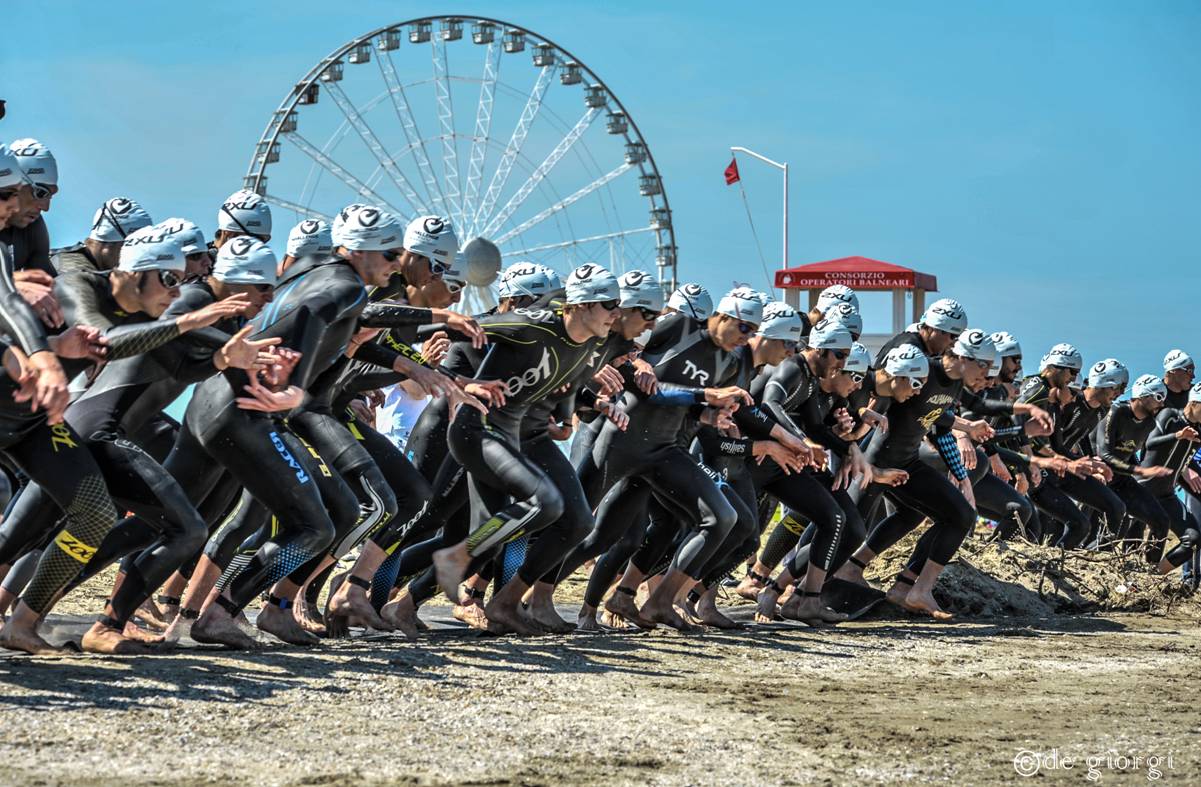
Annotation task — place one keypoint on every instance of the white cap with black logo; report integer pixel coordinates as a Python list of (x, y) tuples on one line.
[(907, 360), (367, 228), (432, 237), (191, 237), (848, 315), (1177, 359), (639, 290), (830, 335), (116, 218), (590, 283), (742, 304), (976, 345), (835, 294), (311, 237), (780, 321), (158, 247), (10, 170), (945, 314), (1065, 355), (35, 160), (1110, 373), (693, 300), (1007, 345), (245, 260), (860, 359), (527, 278), (245, 212), (1149, 385)]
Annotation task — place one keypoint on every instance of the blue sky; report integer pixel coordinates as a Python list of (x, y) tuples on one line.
[(1041, 159)]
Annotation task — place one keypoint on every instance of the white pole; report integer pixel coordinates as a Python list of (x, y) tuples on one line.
[(785, 214), (777, 165)]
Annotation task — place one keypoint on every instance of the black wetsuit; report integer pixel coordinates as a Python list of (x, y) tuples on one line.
[(1118, 439), (653, 450), (1055, 494), (927, 492), (52, 457), (1163, 449), (30, 246)]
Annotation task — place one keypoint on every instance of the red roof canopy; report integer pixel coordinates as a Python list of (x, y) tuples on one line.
[(859, 273)]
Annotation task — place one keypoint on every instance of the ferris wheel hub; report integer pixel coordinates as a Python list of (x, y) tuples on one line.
[(481, 261)]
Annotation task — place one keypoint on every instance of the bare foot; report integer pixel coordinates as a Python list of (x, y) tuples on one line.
[(13, 637), (586, 621), (180, 627), (622, 605), (280, 624), (668, 616), (544, 614), (133, 632), (811, 611), (151, 616), (851, 573), (509, 618), (350, 601), (749, 588), (898, 593), (709, 614), (450, 565), (471, 614), (766, 611), (308, 617), (213, 628), (610, 620), (924, 604), (102, 639), (402, 614)]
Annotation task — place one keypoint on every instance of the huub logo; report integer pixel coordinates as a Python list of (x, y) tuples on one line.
[(120, 206), (1099, 367), (692, 290), (434, 225), (241, 245), (368, 217), (585, 271), (634, 279), (309, 227)]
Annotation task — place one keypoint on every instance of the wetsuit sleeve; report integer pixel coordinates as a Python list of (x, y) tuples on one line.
[(17, 318), (81, 306), (1167, 423), (787, 377), (978, 404), (1035, 391), (714, 444), (949, 451), (756, 423), (1108, 438), (392, 315), (1014, 458)]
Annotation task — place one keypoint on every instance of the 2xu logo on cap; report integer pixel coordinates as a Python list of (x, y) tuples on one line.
[(521, 269), (164, 232)]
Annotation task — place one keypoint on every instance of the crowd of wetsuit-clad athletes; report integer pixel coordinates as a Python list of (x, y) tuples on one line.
[(588, 420)]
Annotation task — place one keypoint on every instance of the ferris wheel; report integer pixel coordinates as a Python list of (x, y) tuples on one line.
[(541, 161)]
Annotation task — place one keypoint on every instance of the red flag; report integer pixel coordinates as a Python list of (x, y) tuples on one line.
[(732, 172)]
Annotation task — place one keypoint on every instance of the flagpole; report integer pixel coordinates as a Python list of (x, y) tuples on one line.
[(779, 166)]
